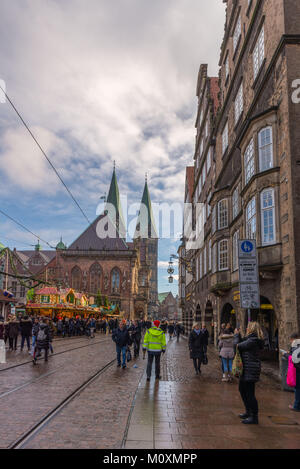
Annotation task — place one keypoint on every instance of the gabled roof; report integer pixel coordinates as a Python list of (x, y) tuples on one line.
[(89, 240), (145, 227), (162, 296)]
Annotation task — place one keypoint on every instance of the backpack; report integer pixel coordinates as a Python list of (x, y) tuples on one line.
[(296, 357), (41, 337)]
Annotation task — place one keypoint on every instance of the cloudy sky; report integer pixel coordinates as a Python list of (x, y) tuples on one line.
[(98, 81)]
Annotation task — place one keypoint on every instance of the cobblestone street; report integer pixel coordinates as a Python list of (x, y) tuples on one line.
[(121, 409)]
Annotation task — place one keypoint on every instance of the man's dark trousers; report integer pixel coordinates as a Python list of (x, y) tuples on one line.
[(151, 356)]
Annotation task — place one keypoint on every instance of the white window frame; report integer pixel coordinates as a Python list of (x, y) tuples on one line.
[(265, 149), (223, 255), (259, 52), (235, 254), (237, 33), (270, 209), (200, 266), (205, 261), (214, 258), (239, 103), (208, 161), (235, 203), (251, 219), (214, 220), (225, 138), (227, 67), (209, 255), (222, 214), (249, 161)]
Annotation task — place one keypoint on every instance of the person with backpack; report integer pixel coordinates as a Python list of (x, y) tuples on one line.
[(42, 341), (121, 338), (13, 333), (171, 330), (295, 354), (155, 345)]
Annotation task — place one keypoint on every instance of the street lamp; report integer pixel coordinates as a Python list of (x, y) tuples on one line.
[(171, 271)]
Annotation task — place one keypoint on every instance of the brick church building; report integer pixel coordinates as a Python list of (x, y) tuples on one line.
[(125, 272)]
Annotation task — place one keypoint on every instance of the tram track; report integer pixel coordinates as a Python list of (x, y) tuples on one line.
[(42, 423), (52, 355)]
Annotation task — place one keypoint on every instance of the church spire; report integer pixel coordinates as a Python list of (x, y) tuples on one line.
[(114, 199), (146, 227)]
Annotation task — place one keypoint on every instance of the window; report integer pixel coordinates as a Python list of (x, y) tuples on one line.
[(235, 203), (239, 104), (14, 288), (251, 219), (45, 299), (206, 128), (223, 254), (265, 149), (259, 53), (201, 147), (200, 265), (209, 255), (208, 160), (268, 217), (204, 262), (115, 281), (235, 251), (197, 270), (204, 173), (95, 278), (76, 278), (208, 206), (223, 214), (225, 138), (22, 291), (214, 220), (214, 258), (226, 67), (249, 162), (237, 33)]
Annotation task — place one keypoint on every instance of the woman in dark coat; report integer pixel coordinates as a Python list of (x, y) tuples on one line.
[(13, 332), (197, 341), (249, 348), (26, 330)]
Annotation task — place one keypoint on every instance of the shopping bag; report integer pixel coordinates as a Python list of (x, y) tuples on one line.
[(2, 352), (237, 365), (291, 374)]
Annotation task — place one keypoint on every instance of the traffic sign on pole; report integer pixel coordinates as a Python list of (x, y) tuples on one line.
[(248, 274)]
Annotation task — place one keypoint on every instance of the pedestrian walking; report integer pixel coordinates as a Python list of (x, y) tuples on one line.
[(249, 349), (136, 335), (42, 341), (26, 331), (226, 351), (34, 333), (155, 344), (295, 356), (197, 343), (177, 330), (13, 333), (171, 330), (121, 338), (2, 343)]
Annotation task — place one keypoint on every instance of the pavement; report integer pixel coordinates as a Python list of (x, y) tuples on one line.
[(201, 412), (120, 409)]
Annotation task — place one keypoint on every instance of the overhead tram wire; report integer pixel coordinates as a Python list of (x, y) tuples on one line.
[(44, 153), (24, 227)]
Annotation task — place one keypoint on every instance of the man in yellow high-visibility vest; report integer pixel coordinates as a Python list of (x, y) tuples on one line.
[(155, 344)]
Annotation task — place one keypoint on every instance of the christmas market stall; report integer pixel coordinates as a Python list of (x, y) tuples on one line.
[(53, 303)]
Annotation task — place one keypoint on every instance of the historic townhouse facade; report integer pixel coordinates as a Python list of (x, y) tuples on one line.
[(255, 189)]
